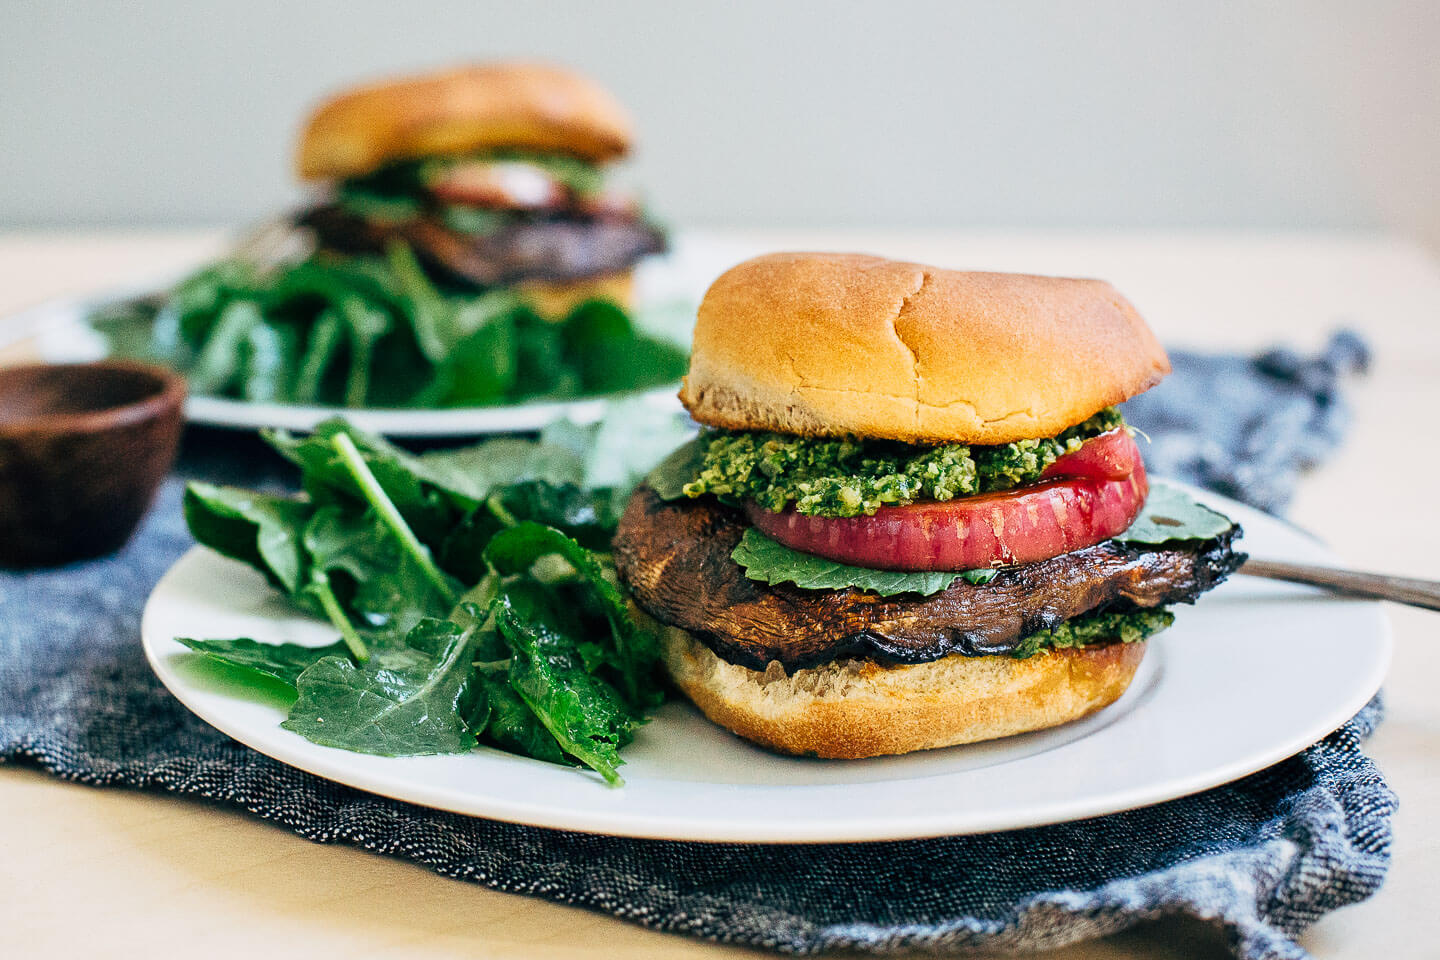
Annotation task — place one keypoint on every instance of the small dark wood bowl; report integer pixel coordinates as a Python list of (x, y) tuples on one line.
[(83, 448)]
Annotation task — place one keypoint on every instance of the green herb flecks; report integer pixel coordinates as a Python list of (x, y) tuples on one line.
[(368, 204), (404, 186), (1126, 627), (850, 477)]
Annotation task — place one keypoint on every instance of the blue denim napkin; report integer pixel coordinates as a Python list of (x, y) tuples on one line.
[(1262, 858)]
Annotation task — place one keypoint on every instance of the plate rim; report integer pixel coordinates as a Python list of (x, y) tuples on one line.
[(615, 821), (450, 422)]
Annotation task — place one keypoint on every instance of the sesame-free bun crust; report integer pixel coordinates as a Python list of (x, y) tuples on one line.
[(515, 106), (850, 709), (829, 344)]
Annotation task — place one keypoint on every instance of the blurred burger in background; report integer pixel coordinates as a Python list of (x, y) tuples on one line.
[(495, 175), (468, 246)]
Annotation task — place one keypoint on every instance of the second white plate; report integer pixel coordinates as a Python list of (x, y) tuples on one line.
[(63, 336), (1253, 674)]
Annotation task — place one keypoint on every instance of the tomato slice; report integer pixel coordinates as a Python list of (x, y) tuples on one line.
[(499, 185), (1110, 456), (1022, 525)]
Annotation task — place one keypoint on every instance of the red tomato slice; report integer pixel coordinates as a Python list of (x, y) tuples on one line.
[(499, 185), (1110, 456), (1013, 526)]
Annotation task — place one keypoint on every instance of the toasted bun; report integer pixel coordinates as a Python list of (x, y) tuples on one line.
[(827, 344), (554, 300), (517, 106), (851, 708)]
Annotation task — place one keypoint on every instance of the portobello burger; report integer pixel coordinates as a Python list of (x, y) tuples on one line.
[(914, 516), (496, 175)]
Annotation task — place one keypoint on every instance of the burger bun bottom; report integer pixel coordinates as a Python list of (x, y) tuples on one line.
[(553, 300), (851, 709)]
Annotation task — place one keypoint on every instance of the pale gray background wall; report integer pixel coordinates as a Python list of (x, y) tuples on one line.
[(918, 112)]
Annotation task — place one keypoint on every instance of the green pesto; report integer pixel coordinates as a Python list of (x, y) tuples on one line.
[(473, 220), (400, 192), (379, 207), (410, 178), (845, 478), (1130, 627)]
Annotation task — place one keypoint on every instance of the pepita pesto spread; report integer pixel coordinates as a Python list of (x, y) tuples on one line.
[(846, 478), (1130, 626)]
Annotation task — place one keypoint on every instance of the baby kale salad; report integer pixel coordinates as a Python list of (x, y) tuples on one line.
[(378, 331), (471, 591)]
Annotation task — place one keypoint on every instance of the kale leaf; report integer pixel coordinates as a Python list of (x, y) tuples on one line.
[(587, 516), (670, 476), (1172, 514), (279, 661), (484, 466), (586, 716), (402, 704), (382, 584), (770, 562), (260, 529), (513, 726), (633, 650)]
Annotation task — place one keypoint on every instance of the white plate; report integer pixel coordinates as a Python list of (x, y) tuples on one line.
[(64, 337), (457, 422), (1253, 674)]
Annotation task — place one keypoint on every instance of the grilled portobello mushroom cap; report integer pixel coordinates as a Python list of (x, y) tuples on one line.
[(556, 247), (675, 557)]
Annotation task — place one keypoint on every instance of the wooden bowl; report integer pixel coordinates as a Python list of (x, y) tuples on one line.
[(83, 448)]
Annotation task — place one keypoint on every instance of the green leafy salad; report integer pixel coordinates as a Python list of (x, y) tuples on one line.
[(376, 331), (471, 590)]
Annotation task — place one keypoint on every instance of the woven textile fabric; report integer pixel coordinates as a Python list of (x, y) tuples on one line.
[(1262, 857)]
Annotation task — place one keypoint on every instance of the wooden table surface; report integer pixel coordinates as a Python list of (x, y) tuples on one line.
[(114, 873)]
